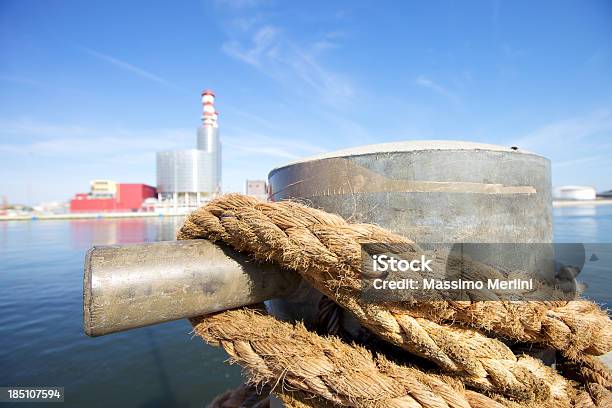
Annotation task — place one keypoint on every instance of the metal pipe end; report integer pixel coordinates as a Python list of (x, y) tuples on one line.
[(136, 285), (87, 295)]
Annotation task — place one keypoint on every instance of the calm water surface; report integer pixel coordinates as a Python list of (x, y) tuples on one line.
[(41, 336), (592, 226)]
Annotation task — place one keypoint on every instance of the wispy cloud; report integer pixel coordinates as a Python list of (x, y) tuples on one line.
[(249, 154), (294, 64), (255, 118), (61, 141), (574, 145), (580, 160), (328, 41), (242, 142), (238, 4), (512, 52), (264, 44), (120, 152), (48, 161), (300, 69), (244, 24), (85, 147), (18, 80), (428, 83), (566, 133), (273, 151), (126, 66)]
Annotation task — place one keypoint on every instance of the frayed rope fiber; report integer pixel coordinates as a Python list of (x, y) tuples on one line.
[(342, 374), (326, 251)]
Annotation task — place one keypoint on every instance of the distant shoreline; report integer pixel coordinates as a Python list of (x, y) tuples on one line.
[(86, 216), (582, 203), (89, 216)]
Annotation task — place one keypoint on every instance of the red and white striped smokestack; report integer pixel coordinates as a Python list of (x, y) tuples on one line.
[(209, 114)]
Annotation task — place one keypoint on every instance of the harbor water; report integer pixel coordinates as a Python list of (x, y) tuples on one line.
[(41, 336)]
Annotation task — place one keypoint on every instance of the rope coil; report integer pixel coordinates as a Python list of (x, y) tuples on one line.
[(326, 251), (274, 351)]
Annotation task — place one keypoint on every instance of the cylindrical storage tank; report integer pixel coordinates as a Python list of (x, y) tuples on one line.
[(186, 171), (429, 191), (574, 193), (208, 141)]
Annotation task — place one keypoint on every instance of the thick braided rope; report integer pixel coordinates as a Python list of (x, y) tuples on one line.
[(319, 244), (593, 395), (303, 400), (484, 363), (241, 397), (291, 358), (574, 328), (586, 369)]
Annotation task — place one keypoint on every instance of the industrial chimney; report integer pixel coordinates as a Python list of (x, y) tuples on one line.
[(187, 178), (208, 134)]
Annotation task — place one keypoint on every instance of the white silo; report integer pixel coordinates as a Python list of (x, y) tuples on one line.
[(574, 193)]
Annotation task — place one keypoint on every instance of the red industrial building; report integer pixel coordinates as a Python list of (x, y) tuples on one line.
[(122, 198)]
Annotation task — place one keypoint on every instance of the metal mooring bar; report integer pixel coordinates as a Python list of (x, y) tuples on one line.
[(130, 286)]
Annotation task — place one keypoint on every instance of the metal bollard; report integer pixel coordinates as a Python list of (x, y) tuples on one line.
[(430, 191)]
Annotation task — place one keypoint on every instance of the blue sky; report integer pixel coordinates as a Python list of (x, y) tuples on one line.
[(92, 89)]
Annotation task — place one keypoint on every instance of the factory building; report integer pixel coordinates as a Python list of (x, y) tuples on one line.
[(103, 188), (108, 196), (574, 193), (188, 178), (257, 188)]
